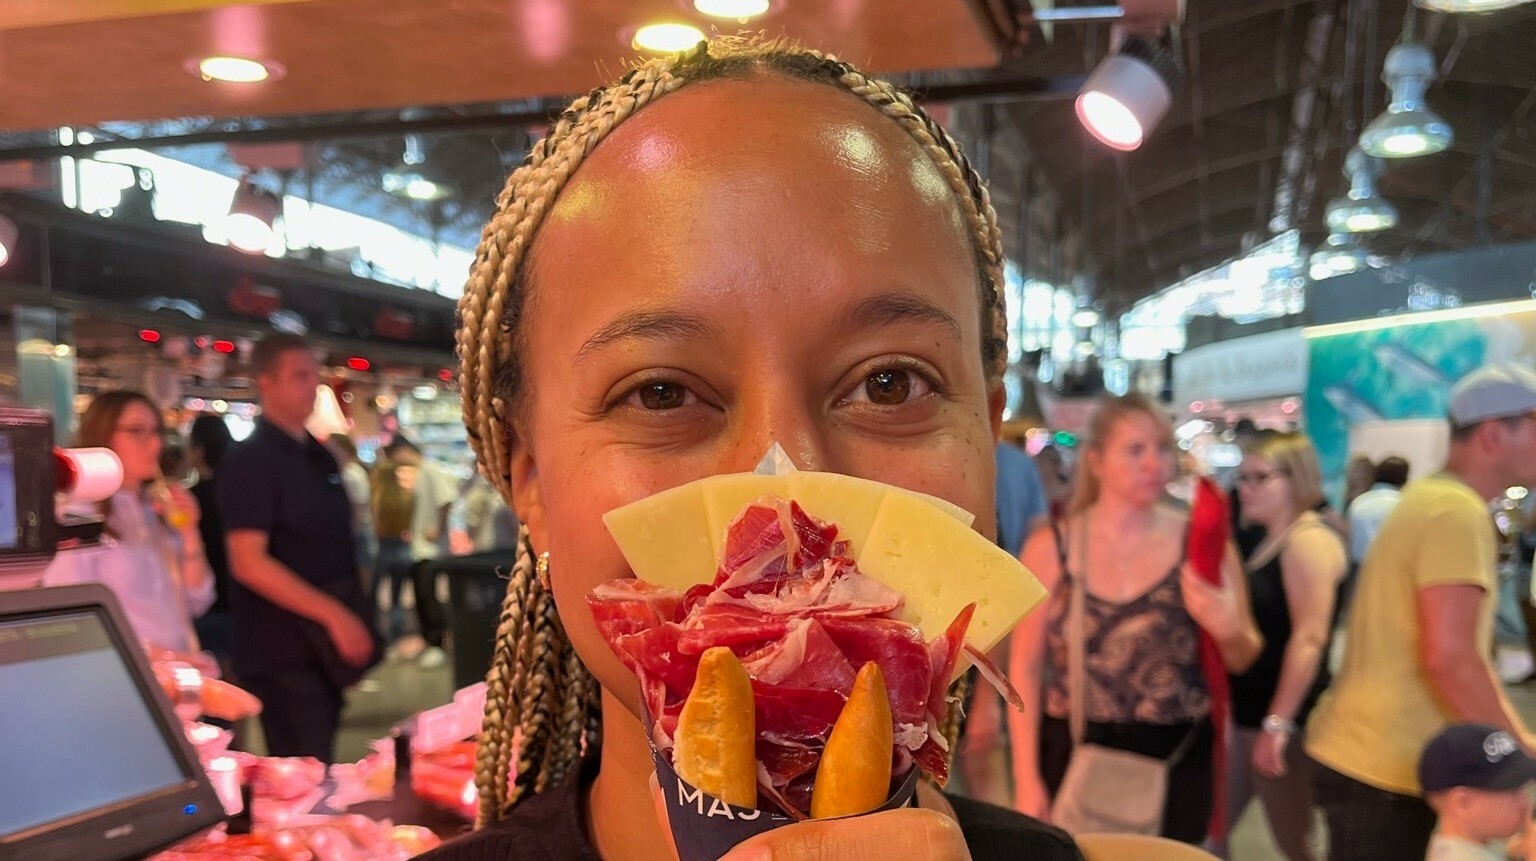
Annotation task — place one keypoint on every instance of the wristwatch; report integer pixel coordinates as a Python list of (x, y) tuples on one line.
[(1278, 725)]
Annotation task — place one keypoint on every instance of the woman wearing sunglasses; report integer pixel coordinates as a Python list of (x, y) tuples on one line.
[(1293, 581)]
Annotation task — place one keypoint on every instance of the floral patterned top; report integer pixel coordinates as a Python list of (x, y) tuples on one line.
[(1143, 660)]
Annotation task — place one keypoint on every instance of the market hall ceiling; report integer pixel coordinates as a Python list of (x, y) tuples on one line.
[(1256, 136), (66, 62)]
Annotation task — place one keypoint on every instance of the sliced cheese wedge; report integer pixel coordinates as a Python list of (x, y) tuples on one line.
[(665, 537), (852, 503), (941, 565), (726, 495), (918, 544)]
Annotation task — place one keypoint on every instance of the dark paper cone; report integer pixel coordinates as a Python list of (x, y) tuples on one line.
[(705, 828)]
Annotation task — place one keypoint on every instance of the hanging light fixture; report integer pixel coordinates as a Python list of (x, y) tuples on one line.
[(1408, 127), (1128, 93), (409, 179), (1361, 210), (252, 218), (1339, 254)]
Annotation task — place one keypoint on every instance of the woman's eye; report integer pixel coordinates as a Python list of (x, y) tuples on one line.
[(661, 395), (891, 387)]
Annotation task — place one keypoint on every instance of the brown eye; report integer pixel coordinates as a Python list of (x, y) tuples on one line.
[(661, 395), (888, 388)]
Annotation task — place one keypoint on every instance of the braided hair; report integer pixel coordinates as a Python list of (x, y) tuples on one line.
[(541, 701)]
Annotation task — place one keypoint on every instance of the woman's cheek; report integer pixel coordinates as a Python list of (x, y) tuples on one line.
[(578, 562), (582, 555)]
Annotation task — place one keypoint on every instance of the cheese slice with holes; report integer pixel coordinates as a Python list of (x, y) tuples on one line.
[(918, 544)]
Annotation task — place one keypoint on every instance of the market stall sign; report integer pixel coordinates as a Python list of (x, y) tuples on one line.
[(1270, 365), (255, 300)]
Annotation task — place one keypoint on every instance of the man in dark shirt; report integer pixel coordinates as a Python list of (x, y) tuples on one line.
[(300, 613)]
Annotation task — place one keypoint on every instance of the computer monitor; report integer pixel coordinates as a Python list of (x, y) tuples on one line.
[(94, 765)]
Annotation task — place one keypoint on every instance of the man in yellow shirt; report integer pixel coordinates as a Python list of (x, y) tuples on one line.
[(1421, 628)]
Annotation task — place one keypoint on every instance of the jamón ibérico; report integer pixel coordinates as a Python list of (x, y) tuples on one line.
[(790, 602)]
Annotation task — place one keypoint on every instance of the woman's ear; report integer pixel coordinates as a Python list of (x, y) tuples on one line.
[(997, 401), (527, 494)]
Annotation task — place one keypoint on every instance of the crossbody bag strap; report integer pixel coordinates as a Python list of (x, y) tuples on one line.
[(1189, 741), (1077, 658)]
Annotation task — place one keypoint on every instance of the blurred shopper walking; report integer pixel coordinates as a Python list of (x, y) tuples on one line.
[(1293, 580), (354, 477), (1119, 558), (1420, 638), (207, 443), (303, 625), (1370, 509)]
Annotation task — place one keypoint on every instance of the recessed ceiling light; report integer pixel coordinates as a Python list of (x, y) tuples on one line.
[(235, 70), (667, 38), (739, 10)]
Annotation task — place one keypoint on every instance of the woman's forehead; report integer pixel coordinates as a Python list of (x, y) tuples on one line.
[(764, 189), (1138, 426), (714, 148)]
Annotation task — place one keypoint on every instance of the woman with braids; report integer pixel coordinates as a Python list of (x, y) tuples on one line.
[(740, 245)]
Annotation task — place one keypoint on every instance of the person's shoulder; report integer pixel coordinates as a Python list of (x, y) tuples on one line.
[(527, 839), (545, 827), (1012, 455), (489, 844), (1438, 496), (993, 832), (252, 449)]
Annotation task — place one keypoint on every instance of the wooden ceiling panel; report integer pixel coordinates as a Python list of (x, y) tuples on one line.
[(343, 55)]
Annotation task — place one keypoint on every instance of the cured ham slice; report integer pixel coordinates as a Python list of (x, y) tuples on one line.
[(791, 604)]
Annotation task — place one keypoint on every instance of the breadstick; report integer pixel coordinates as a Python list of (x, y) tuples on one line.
[(715, 748), (855, 772)]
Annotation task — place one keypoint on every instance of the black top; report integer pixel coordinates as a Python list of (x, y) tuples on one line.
[(1247, 536), (291, 490), (211, 524), (552, 827), (1253, 690)]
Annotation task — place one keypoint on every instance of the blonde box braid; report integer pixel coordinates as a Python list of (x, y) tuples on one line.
[(541, 701)]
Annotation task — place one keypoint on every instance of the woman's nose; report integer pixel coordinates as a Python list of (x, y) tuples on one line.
[(775, 414)]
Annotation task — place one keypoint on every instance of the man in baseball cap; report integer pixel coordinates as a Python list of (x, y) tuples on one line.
[(1476, 778), (1503, 391), (1421, 629)]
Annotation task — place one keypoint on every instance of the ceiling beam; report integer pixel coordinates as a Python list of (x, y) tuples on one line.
[(1001, 89)]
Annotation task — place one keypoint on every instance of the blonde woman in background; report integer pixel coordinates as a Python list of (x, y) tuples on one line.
[(1123, 546), (1293, 585)]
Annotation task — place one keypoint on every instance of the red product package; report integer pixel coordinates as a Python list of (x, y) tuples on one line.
[(446, 778), (1210, 530)]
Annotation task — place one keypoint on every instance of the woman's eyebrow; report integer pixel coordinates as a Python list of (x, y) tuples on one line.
[(889, 308), (647, 326)]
